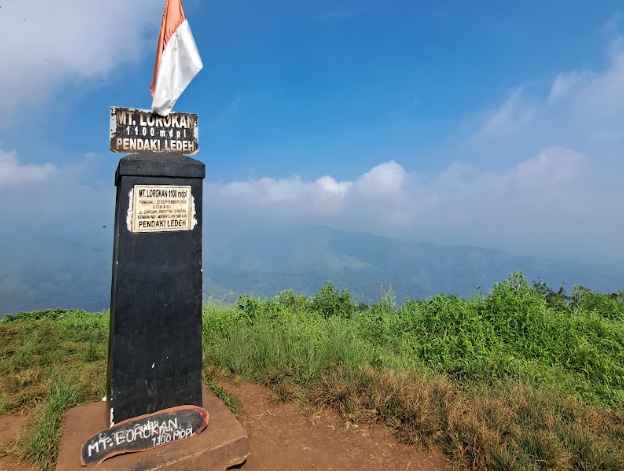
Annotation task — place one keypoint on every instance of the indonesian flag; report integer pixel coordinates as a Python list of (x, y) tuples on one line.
[(177, 58)]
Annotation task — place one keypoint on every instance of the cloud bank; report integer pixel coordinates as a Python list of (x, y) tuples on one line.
[(42, 201), (49, 44), (582, 110), (540, 174), (12, 173), (544, 205)]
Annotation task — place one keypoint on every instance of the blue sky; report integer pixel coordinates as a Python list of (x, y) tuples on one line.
[(497, 124)]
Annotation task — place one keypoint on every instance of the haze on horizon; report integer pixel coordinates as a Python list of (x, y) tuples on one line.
[(499, 126)]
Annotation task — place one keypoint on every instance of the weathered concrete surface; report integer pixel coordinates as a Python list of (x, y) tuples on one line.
[(221, 445), (155, 335)]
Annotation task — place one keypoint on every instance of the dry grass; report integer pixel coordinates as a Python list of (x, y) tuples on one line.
[(508, 426)]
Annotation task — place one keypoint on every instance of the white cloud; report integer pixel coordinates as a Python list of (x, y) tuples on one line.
[(43, 200), (547, 204), (539, 175), (333, 188), (514, 113), (550, 169), (48, 44), (13, 174), (582, 110), (563, 84), (384, 181)]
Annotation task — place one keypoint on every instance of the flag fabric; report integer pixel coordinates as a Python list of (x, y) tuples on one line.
[(177, 59)]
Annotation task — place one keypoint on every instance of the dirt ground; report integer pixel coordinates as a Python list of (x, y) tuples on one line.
[(10, 427), (282, 438)]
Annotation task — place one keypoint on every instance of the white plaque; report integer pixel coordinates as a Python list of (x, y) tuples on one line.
[(159, 208)]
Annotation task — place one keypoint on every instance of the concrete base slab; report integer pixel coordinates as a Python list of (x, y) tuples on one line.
[(221, 445)]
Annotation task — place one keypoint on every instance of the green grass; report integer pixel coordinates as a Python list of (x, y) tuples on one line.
[(41, 444), (512, 333), (493, 379), (50, 361), (520, 378), (230, 400)]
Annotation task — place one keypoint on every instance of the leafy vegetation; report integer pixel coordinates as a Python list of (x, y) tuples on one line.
[(524, 377)]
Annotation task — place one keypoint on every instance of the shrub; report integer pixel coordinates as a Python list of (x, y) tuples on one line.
[(330, 301)]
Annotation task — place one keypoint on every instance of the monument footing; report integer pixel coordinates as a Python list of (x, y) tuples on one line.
[(222, 444)]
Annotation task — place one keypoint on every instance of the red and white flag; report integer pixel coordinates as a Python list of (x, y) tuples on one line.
[(177, 59)]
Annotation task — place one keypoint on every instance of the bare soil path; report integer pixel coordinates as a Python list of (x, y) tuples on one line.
[(282, 438), (10, 427)]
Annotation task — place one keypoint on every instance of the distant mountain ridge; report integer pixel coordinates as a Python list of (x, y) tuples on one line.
[(303, 257), (56, 272)]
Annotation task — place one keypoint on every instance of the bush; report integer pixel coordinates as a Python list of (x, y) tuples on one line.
[(330, 301)]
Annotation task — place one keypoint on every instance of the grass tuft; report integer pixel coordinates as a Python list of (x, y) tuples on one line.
[(40, 445), (231, 401)]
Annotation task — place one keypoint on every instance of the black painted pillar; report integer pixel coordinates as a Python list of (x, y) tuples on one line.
[(154, 356)]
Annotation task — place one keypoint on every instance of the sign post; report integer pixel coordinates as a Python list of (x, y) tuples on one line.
[(155, 356), (133, 130), (154, 378), (155, 393)]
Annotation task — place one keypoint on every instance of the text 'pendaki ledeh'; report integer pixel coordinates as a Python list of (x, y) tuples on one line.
[(134, 130)]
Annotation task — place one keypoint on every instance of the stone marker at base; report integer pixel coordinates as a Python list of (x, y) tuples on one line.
[(154, 357), (224, 443), (143, 433)]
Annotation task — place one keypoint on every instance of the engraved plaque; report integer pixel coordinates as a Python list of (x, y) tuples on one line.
[(160, 208), (133, 130), (144, 432)]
